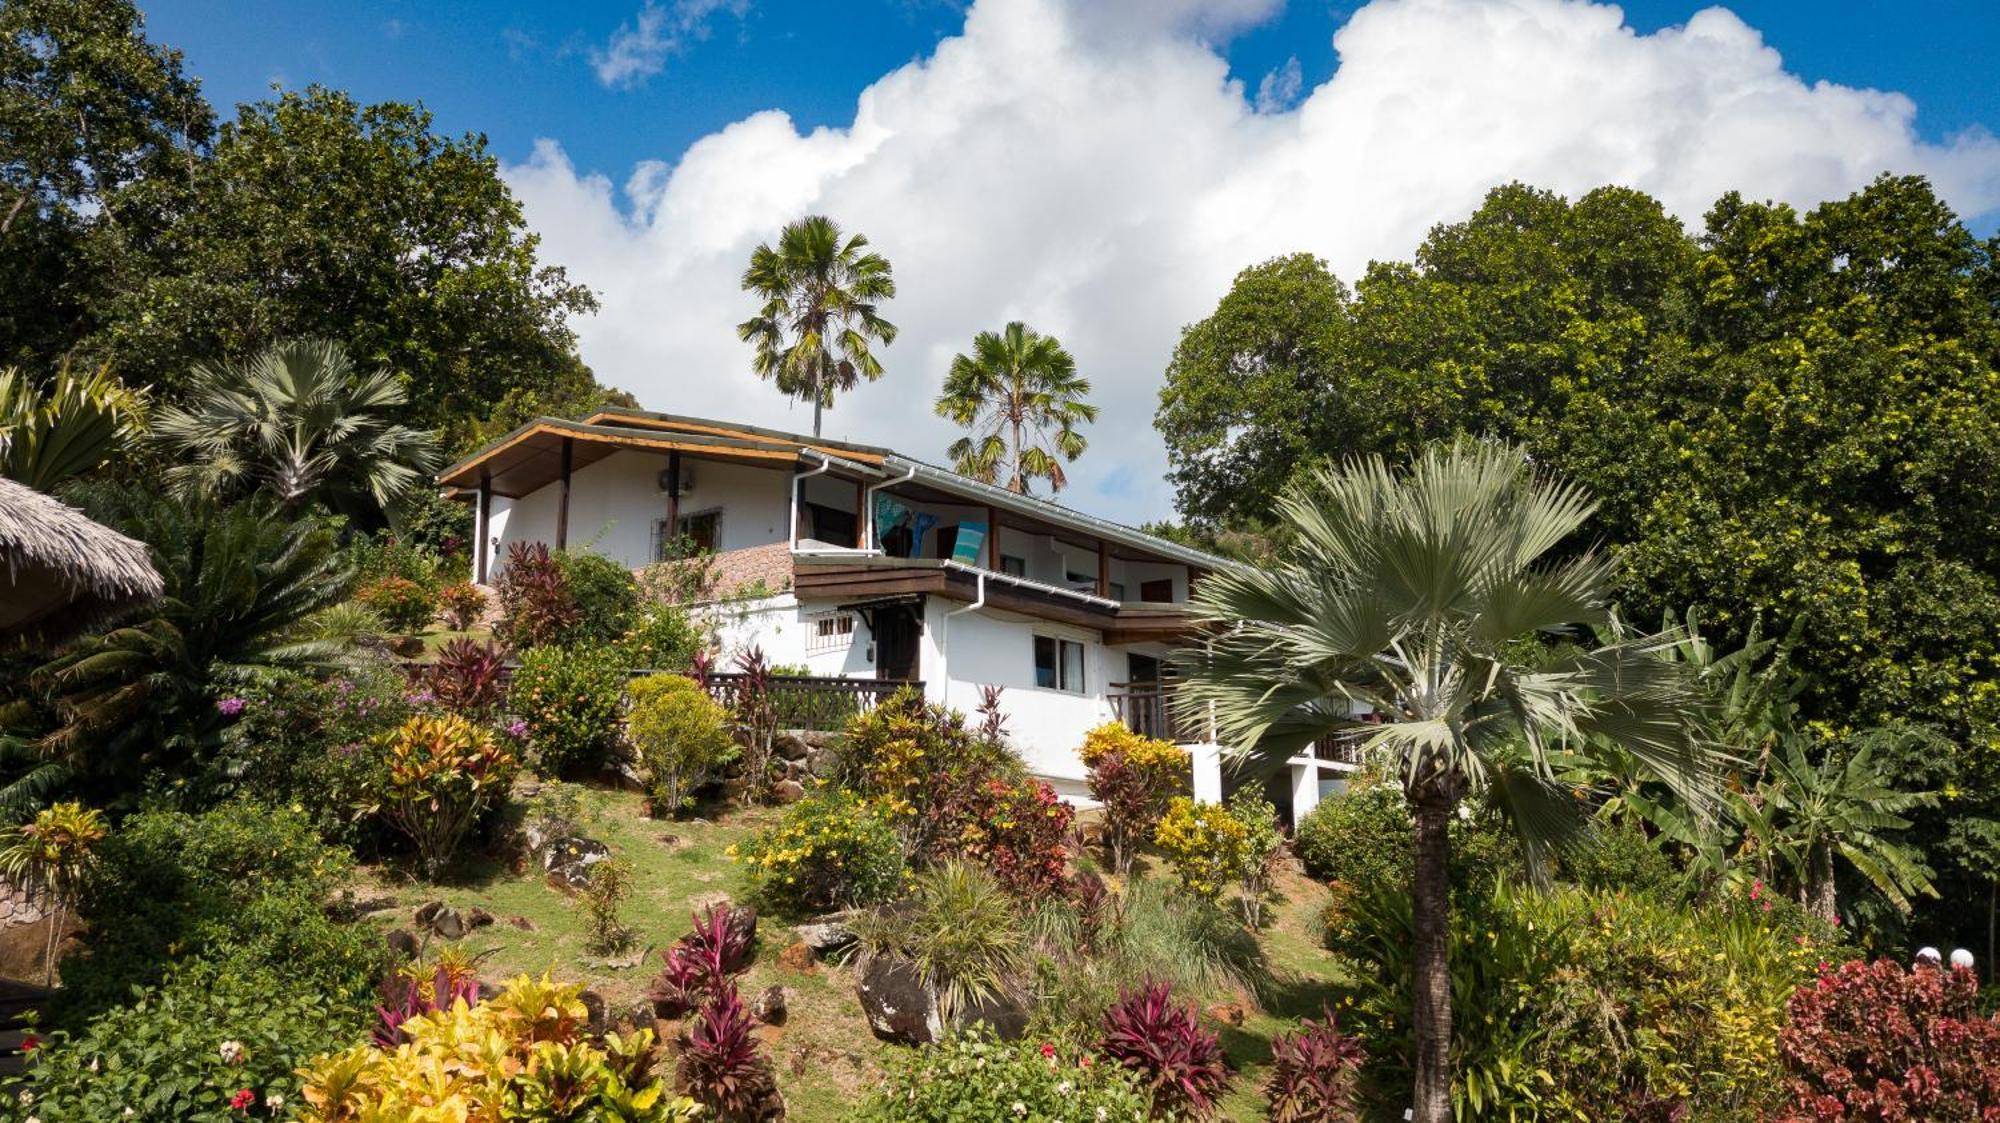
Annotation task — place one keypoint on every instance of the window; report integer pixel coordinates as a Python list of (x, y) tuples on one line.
[(831, 524), (831, 631), (1157, 592), (700, 533), (1010, 564), (947, 541), (1058, 664)]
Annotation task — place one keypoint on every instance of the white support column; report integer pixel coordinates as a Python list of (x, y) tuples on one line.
[(1207, 772), (1305, 790)]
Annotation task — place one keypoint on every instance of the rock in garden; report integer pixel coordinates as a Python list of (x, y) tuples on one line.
[(899, 1007), (1227, 1013), (787, 792), (770, 1006), (522, 922), (598, 1013), (797, 957), (477, 917), (791, 746), (440, 920), (569, 860), (404, 943), (826, 935), (640, 1015)]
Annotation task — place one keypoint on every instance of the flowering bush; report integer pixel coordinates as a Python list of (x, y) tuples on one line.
[(1133, 777), (1206, 844), (1872, 1041), (467, 678), (1315, 1075), (661, 638), (569, 700), (928, 770), (1160, 1041), (972, 1076), (1017, 830), (681, 736), (403, 604), (524, 1054), (832, 849), (461, 604), (436, 776), (722, 1065), (536, 605), (606, 596)]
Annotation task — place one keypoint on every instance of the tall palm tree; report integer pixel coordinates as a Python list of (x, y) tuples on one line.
[(1418, 595), (821, 291), (48, 437), (1020, 395), (298, 421)]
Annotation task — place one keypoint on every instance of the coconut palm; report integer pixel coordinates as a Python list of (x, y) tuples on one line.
[(48, 437), (298, 421), (821, 291), (1020, 395), (1419, 595)]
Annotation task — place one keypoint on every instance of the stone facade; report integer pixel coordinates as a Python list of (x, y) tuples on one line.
[(17, 907)]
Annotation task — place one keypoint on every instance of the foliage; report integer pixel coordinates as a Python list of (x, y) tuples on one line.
[(140, 702), (959, 929), (537, 607), (1873, 1041), (467, 678), (1133, 776), (821, 296), (681, 736), (919, 760), (388, 554), (185, 1050), (299, 422), (1207, 846), (1015, 386), (50, 436), (1585, 1004), (1193, 945), (525, 1053), (606, 596), (758, 714), (412, 998), (1019, 831), (661, 637), (722, 1065), (1315, 1075), (698, 965), (435, 777), (49, 857), (306, 742), (402, 604), (609, 887), (1178, 1063), (832, 849), (569, 697), (462, 604), (1263, 840), (1362, 838), (974, 1078)]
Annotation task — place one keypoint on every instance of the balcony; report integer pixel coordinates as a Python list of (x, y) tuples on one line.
[(1146, 708), (811, 702)]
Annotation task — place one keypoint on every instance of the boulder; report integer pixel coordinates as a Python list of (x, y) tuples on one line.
[(792, 746), (522, 922), (568, 861), (769, 1007), (476, 917), (826, 935), (899, 1007), (440, 920), (404, 943), (640, 1015), (598, 1013), (1228, 1013), (787, 792), (797, 957)]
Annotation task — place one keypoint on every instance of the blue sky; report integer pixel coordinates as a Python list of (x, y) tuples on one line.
[(518, 71)]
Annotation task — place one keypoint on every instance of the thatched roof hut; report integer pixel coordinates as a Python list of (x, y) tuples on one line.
[(59, 571)]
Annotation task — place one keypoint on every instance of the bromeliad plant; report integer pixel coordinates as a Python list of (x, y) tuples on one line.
[(436, 776)]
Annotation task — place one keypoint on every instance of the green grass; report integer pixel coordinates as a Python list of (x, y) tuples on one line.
[(826, 1059)]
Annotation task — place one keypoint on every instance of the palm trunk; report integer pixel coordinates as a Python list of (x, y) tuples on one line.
[(1825, 903), (816, 412), (1431, 989)]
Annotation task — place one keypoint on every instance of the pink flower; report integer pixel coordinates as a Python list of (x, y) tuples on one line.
[(242, 1100), (230, 707), (1048, 1050), (1756, 889)]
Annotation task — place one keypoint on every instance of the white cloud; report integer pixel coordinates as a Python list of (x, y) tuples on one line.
[(640, 49), (1281, 87), (1107, 186)]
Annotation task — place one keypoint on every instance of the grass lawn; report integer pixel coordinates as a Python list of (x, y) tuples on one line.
[(827, 1061)]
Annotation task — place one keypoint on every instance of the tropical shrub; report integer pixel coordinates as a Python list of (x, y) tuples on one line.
[(1315, 1075), (468, 679), (1133, 777), (922, 762), (756, 717), (1018, 830), (1206, 845), (1196, 946), (722, 1064), (528, 1048), (661, 638), (681, 736), (1362, 837), (605, 595), (1874, 1041), (1162, 1042), (1263, 839), (606, 891), (833, 849), (435, 776), (971, 1076), (384, 555), (49, 857), (461, 604), (191, 1051), (959, 929), (699, 963), (306, 742), (408, 997), (536, 606), (569, 700), (403, 605)]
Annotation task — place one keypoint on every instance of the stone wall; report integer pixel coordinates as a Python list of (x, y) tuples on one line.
[(16, 907)]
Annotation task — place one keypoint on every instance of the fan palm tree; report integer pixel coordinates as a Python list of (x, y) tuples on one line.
[(1020, 395), (1419, 595), (300, 422), (50, 437), (821, 291)]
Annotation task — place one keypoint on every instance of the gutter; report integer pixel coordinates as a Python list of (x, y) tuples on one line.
[(798, 479)]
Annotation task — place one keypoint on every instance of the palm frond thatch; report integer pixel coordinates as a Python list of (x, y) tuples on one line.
[(61, 572)]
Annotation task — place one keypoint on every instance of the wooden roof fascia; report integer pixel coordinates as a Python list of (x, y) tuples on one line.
[(671, 423)]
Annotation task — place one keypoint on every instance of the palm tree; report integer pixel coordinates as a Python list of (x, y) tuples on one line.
[(300, 422), (1419, 595), (50, 437), (1015, 387), (821, 293)]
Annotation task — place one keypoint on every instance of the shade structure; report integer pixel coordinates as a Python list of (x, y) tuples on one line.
[(60, 572)]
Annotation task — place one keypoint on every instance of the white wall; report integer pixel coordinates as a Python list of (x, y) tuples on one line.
[(783, 628), (993, 649), (614, 502)]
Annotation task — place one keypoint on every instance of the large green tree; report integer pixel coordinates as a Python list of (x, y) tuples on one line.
[(822, 293), (1019, 394)]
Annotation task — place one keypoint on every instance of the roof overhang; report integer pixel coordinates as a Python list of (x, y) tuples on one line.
[(530, 457)]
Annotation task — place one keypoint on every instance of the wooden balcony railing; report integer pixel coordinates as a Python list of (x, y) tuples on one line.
[(811, 702), (1146, 709)]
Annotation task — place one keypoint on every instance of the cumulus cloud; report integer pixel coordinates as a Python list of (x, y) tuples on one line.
[(1104, 181), (1281, 87), (640, 49)]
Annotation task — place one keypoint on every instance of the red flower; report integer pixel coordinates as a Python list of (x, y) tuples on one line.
[(242, 1100), (1048, 1050), (30, 1043)]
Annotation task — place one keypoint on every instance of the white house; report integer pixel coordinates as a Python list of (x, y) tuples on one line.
[(861, 563)]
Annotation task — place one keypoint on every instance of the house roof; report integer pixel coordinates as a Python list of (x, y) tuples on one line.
[(60, 571), (530, 458)]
